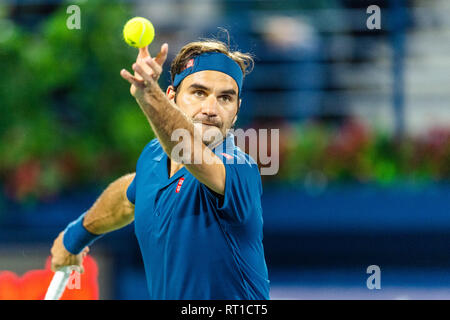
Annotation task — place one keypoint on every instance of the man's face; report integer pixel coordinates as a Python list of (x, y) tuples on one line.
[(210, 98)]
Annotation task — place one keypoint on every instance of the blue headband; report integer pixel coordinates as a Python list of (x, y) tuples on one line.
[(214, 61)]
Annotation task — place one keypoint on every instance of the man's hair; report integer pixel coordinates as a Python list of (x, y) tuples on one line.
[(193, 49)]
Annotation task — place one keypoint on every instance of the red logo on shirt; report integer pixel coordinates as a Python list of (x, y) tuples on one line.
[(180, 182)]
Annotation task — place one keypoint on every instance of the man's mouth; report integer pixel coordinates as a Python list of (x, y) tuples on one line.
[(208, 124)]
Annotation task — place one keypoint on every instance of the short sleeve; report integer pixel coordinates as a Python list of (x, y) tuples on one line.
[(151, 147), (243, 190), (131, 191)]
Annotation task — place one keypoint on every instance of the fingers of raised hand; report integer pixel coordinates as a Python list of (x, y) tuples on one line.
[(143, 53), (149, 76), (134, 80), (140, 60), (155, 67), (162, 55), (146, 69)]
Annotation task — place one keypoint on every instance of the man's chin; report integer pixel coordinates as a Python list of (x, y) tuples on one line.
[(211, 134)]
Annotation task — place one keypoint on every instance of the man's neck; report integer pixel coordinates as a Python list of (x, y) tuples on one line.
[(174, 167)]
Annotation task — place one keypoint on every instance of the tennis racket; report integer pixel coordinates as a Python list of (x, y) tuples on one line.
[(58, 283)]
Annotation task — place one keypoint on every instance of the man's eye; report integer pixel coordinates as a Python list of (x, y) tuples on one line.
[(226, 98), (199, 93)]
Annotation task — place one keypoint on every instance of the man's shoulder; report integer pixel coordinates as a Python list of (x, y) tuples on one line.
[(242, 165), (153, 145), (152, 149)]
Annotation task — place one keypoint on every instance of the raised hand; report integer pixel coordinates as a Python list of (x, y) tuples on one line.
[(147, 71)]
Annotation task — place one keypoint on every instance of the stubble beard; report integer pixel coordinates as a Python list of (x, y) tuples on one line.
[(211, 135)]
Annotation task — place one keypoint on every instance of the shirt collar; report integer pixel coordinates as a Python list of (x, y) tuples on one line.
[(226, 145)]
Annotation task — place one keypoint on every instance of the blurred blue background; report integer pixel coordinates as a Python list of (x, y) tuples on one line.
[(364, 135)]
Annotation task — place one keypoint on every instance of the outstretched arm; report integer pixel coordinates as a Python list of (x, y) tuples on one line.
[(110, 212), (165, 117)]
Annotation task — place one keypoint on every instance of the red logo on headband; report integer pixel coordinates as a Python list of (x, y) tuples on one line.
[(189, 64)]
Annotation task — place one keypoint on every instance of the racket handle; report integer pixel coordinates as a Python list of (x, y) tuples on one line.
[(58, 283)]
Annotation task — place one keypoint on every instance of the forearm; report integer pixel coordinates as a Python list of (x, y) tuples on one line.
[(112, 210), (165, 117)]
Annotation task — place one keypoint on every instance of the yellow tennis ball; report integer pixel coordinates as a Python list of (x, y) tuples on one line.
[(138, 32)]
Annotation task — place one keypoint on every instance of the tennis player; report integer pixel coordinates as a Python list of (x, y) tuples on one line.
[(198, 223)]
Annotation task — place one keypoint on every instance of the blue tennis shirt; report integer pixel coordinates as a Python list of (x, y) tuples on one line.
[(195, 243)]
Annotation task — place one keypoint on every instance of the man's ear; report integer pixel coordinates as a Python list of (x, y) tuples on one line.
[(170, 92)]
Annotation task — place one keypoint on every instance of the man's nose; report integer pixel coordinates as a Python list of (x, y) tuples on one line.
[(209, 106)]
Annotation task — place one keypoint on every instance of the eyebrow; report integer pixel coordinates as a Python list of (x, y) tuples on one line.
[(202, 87), (199, 86), (230, 92)]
